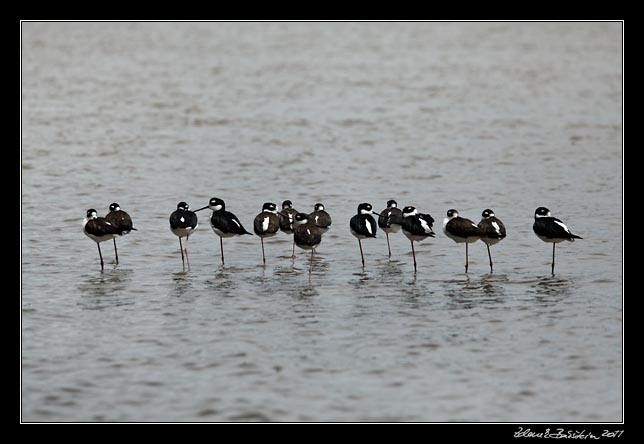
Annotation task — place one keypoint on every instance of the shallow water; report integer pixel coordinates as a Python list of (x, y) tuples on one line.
[(508, 116)]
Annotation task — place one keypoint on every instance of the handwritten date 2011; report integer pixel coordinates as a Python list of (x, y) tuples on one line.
[(566, 434)]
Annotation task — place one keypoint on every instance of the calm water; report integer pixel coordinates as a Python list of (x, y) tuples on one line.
[(509, 116)]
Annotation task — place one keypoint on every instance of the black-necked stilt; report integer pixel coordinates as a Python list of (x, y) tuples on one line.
[(182, 223), (320, 218), (461, 230), (266, 224), (363, 225), (223, 223), (99, 230), (390, 220), (493, 231), (307, 235), (121, 220), (287, 220), (551, 229), (416, 226)]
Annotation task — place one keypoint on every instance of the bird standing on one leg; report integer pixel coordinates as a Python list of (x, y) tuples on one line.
[(416, 227), (266, 224), (307, 235), (287, 220), (390, 220), (223, 223), (493, 231), (363, 225), (461, 230), (551, 229)]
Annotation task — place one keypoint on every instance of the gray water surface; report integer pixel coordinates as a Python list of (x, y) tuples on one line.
[(508, 116)]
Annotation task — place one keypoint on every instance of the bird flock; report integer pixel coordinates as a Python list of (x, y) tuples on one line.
[(308, 228)]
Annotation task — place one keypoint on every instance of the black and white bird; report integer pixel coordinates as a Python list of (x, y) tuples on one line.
[(307, 235), (287, 220), (390, 220), (551, 229), (461, 230), (320, 218), (183, 223), (122, 221), (416, 227), (266, 224), (493, 231), (223, 223), (363, 225), (99, 230)]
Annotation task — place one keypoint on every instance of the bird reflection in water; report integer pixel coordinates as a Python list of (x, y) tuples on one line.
[(107, 289)]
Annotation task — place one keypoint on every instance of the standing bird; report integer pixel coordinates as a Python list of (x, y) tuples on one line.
[(122, 221), (266, 224), (493, 231), (307, 235), (390, 220), (320, 218), (363, 225), (461, 230), (223, 223), (551, 229), (416, 226), (287, 220), (99, 230), (182, 223)]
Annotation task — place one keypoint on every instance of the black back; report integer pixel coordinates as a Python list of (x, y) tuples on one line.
[(183, 219), (389, 217), (227, 223), (273, 223), (358, 224), (100, 227), (320, 218), (550, 228), (287, 217), (307, 235), (463, 228), (414, 226), (489, 230), (121, 220)]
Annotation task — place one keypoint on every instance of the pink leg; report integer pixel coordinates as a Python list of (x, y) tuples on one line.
[(361, 255)]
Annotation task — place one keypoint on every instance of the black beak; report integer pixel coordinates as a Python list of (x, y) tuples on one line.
[(377, 214), (200, 209)]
